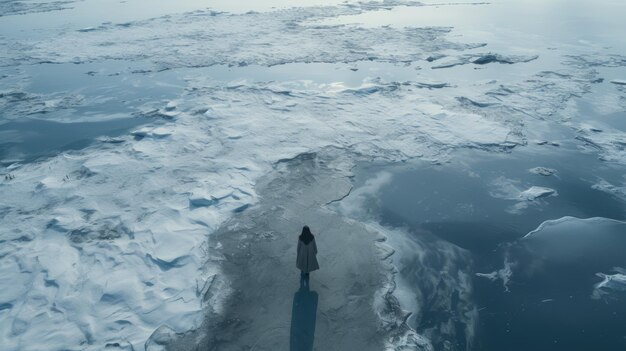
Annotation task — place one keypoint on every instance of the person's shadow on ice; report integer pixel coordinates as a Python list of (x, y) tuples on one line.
[(303, 315)]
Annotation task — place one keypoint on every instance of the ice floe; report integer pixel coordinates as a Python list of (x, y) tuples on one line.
[(544, 171), (536, 192), (433, 85), (509, 189), (609, 144), (483, 59), (284, 32), (611, 284)]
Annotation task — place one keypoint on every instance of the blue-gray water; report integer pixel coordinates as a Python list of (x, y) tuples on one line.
[(550, 308), (447, 198), (31, 139)]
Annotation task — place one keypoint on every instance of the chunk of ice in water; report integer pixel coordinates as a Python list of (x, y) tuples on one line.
[(544, 171), (536, 192)]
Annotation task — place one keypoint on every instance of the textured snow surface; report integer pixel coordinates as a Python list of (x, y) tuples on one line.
[(113, 248), (106, 245), (279, 37)]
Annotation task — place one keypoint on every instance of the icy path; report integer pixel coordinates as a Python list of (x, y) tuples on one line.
[(258, 250)]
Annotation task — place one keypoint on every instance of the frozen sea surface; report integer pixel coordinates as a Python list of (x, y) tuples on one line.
[(141, 143)]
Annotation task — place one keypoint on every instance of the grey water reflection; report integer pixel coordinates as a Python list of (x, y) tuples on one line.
[(551, 300), (303, 316), (30, 139)]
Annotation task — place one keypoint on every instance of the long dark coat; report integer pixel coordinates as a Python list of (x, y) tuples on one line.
[(306, 261)]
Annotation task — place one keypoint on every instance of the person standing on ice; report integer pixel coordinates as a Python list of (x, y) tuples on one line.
[(307, 249)]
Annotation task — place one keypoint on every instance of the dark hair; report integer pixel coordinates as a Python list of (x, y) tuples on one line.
[(306, 236)]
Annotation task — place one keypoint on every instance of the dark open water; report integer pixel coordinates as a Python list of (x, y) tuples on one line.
[(550, 309)]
